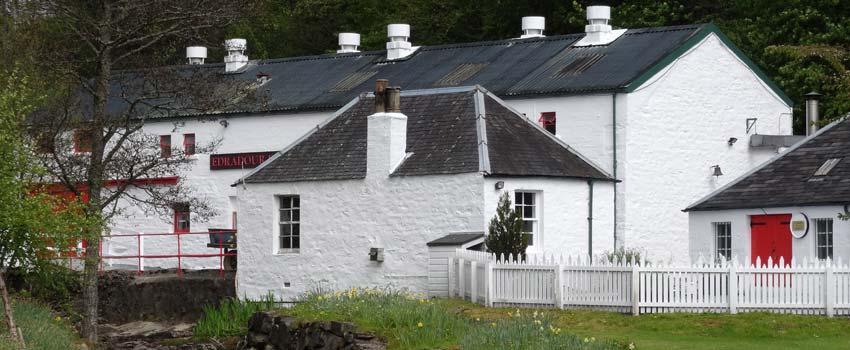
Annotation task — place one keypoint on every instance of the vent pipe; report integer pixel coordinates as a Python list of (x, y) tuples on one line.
[(812, 112), (533, 26), (398, 45), (598, 31), (235, 58), (348, 42), (196, 54)]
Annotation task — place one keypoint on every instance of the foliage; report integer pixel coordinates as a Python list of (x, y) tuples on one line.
[(42, 329), (624, 255), (230, 317), (53, 284), (408, 321), (504, 236)]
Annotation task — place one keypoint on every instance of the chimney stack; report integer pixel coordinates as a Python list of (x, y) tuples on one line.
[(399, 45), (533, 26), (348, 42), (598, 31), (812, 112), (196, 54), (386, 140), (235, 58)]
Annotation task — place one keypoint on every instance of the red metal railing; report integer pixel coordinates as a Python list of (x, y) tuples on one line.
[(139, 256)]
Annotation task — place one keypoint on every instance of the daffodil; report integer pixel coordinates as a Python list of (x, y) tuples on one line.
[(420, 325)]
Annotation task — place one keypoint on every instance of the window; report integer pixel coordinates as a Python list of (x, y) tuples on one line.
[(525, 203), (182, 217), (547, 121), (289, 221), (823, 231), (722, 240), (83, 140), (827, 166), (189, 144), (165, 146)]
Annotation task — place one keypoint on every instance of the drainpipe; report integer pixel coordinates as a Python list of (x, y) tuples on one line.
[(614, 142), (590, 219)]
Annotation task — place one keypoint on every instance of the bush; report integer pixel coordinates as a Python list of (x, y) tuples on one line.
[(623, 255), (230, 317), (504, 234), (41, 328)]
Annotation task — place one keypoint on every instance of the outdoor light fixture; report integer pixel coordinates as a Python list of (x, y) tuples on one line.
[(500, 185), (224, 122), (717, 171), (732, 141)]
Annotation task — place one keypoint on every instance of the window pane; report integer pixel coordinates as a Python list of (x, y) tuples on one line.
[(285, 230), (296, 215), (518, 198), (528, 212), (528, 198), (285, 243), (285, 202), (296, 229), (285, 215), (296, 202), (296, 243), (530, 239), (528, 226)]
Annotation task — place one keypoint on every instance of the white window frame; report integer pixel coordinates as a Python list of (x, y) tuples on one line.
[(828, 235), (536, 241), (278, 222), (727, 235)]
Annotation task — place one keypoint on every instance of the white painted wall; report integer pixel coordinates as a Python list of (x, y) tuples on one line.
[(564, 202), (677, 127), (701, 232), (341, 220)]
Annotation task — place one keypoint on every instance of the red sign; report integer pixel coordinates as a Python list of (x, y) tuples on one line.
[(238, 160)]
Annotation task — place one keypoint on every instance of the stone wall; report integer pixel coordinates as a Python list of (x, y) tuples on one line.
[(267, 331)]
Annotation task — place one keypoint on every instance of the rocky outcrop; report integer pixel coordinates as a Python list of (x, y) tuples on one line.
[(267, 331)]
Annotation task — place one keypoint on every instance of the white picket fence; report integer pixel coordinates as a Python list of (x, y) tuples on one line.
[(807, 287)]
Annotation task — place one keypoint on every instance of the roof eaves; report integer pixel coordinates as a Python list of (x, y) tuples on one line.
[(299, 140), (695, 205), (695, 39)]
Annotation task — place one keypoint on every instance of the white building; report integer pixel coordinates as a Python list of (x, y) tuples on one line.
[(388, 183), (654, 107), (789, 207)]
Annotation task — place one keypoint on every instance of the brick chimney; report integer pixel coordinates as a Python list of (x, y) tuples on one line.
[(386, 141)]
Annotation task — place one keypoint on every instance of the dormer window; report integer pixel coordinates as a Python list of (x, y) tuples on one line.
[(547, 121), (827, 166)]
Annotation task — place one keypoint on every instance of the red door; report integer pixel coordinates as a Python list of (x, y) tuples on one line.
[(771, 238)]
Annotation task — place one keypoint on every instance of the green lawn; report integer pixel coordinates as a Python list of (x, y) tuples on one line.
[(42, 331), (751, 331)]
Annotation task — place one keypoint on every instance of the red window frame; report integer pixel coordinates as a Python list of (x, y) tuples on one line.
[(165, 146), (189, 144), (182, 215), (83, 140), (548, 120)]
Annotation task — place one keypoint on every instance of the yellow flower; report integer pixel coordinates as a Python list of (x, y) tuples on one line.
[(493, 324), (592, 339), (477, 319), (537, 322), (586, 340), (420, 325), (510, 314), (632, 346), (58, 318), (319, 298)]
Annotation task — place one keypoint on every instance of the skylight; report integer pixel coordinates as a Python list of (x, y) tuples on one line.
[(460, 74), (827, 166), (353, 80), (579, 65)]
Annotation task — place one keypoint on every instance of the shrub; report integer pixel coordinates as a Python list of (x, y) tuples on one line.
[(504, 236), (230, 317), (624, 255)]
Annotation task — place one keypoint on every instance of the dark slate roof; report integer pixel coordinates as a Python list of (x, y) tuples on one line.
[(456, 239), (789, 179), (507, 68), (442, 137)]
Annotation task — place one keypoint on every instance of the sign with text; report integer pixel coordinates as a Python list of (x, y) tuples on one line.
[(238, 160)]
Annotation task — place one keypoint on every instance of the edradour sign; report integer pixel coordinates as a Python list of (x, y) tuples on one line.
[(238, 160)]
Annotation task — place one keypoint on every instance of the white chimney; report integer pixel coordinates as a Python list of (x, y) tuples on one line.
[(398, 45), (386, 135), (235, 58), (196, 54), (348, 42), (533, 26), (598, 31)]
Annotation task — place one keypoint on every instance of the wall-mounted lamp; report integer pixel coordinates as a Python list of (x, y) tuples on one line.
[(717, 171), (224, 122), (500, 185), (732, 141)]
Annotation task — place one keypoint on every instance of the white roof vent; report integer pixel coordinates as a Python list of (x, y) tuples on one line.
[(348, 42), (533, 26), (235, 58), (398, 45), (196, 54), (598, 31)]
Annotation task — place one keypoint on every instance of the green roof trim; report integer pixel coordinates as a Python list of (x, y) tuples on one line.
[(693, 41)]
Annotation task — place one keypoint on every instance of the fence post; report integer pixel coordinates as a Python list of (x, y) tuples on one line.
[(473, 281), (488, 281), (559, 285), (450, 267), (829, 285), (635, 289), (733, 288), (460, 281)]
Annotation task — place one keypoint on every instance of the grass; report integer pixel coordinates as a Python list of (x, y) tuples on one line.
[(230, 317), (751, 331), (41, 327)]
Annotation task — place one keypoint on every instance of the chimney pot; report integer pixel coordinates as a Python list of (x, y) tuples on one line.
[(196, 54), (235, 58), (348, 42), (398, 45), (533, 26), (393, 98), (812, 112), (380, 90), (598, 31)]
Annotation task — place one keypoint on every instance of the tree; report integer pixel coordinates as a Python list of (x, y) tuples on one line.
[(31, 224), (101, 51), (505, 236)]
